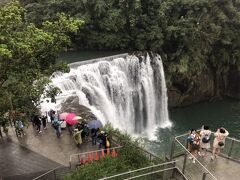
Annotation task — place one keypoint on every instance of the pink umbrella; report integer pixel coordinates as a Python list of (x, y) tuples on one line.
[(69, 119), (63, 115)]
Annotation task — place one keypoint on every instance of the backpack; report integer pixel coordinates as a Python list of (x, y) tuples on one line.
[(221, 144), (206, 138), (55, 124), (190, 139)]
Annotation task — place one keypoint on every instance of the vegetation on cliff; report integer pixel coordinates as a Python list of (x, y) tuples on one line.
[(193, 37)]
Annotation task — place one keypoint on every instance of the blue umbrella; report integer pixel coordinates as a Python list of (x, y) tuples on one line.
[(95, 124)]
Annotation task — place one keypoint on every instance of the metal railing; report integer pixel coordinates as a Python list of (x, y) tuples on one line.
[(179, 149), (54, 174), (75, 159), (158, 171), (197, 169), (230, 150)]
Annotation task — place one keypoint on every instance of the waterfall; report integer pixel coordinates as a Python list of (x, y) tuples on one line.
[(127, 91)]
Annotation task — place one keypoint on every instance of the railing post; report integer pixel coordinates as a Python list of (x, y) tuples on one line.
[(151, 174), (184, 163), (55, 176), (231, 147), (150, 158), (204, 176), (172, 150), (173, 172)]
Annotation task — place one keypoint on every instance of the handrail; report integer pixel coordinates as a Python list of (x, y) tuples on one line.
[(48, 172), (226, 154), (211, 133), (153, 172), (195, 158), (157, 165)]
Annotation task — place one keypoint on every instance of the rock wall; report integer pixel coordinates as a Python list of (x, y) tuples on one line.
[(233, 83), (205, 89), (194, 93)]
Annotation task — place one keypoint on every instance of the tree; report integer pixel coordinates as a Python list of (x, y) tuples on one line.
[(28, 56)]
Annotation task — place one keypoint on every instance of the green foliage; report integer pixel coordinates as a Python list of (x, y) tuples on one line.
[(193, 37), (129, 158), (28, 56)]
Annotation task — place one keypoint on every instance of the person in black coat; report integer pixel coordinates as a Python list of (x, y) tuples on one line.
[(37, 122), (44, 121)]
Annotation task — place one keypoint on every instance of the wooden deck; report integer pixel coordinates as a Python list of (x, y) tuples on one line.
[(222, 168)]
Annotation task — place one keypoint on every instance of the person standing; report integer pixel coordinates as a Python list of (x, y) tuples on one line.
[(77, 136), (102, 139), (205, 139), (44, 121), (190, 139), (52, 114), (57, 126), (94, 136), (37, 122), (219, 141)]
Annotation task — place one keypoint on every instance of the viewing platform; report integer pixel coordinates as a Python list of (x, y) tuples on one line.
[(225, 167)]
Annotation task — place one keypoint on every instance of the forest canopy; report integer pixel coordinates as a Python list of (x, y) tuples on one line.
[(191, 36)]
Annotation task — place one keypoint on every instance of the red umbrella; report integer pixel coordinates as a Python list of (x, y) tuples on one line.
[(63, 115), (69, 119)]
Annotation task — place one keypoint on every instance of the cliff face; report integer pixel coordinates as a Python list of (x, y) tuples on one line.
[(233, 83), (208, 88)]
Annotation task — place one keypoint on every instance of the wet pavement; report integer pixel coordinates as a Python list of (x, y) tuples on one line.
[(16, 160), (36, 152)]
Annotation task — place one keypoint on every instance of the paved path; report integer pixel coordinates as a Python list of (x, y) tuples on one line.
[(16, 160), (37, 152), (222, 168)]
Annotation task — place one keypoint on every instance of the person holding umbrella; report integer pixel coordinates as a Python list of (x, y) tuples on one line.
[(94, 125)]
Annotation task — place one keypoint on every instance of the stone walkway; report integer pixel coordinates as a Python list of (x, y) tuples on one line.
[(37, 152), (16, 160), (222, 168)]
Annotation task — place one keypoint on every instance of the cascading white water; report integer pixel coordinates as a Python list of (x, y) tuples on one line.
[(127, 91)]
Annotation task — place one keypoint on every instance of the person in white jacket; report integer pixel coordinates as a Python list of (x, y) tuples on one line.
[(219, 141), (205, 139)]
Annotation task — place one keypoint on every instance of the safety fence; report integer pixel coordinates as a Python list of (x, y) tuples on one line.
[(167, 170), (88, 157), (197, 170), (54, 174), (230, 150)]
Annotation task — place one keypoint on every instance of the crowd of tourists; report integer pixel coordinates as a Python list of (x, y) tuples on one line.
[(199, 142), (80, 131)]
